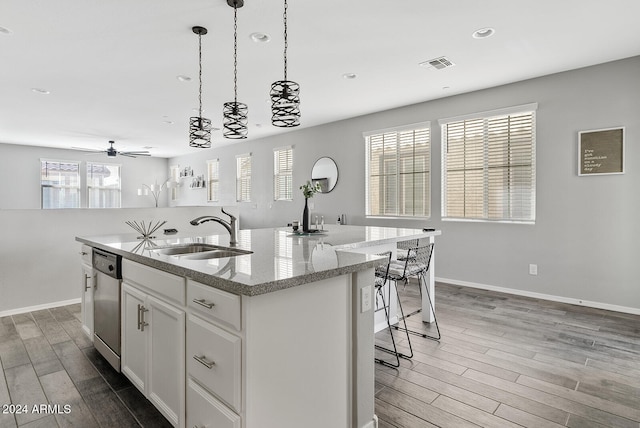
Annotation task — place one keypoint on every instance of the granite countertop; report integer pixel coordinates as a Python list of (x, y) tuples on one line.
[(280, 259)]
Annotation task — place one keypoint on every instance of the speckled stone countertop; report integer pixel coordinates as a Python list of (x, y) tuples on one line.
[(280, 259)]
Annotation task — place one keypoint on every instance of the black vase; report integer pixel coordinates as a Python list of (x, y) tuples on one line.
[(305, 216)]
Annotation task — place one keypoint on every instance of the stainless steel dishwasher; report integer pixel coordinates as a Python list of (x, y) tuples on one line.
[(106, 305)]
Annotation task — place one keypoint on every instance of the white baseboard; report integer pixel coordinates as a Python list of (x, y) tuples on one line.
[(39, 307), (561, 299)]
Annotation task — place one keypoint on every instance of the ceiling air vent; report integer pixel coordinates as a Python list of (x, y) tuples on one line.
[(438, 63)]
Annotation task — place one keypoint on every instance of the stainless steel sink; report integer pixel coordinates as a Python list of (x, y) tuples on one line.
[(198, 251), (217, 254), (185, 249)]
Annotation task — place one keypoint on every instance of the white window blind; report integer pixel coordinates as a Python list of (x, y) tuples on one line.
[(243, 178), (213, 177), (59, 184), (103, 185), (488, 166), (398, 172), (174, 173), (283, 174)]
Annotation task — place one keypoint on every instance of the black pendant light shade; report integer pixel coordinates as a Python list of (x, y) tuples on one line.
[(285, 104), (285, 94), (235, 114), (200, 132), (200, 127), (235, 120)]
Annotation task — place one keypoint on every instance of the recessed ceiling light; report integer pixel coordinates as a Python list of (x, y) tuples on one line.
[(4, 30), (349, 76), (168, 122), (483, 33), (40, 91), (260, 37), (444, 88), (183, 78), (148, 147)]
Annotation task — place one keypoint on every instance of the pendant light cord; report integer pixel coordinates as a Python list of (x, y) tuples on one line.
[(286, 43), (200, 74), (235, 52)]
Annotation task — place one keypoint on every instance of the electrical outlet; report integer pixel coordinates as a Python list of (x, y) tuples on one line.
[(365, 299), (533, 269)]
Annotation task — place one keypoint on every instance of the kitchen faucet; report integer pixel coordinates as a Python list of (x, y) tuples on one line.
[(229, 225)]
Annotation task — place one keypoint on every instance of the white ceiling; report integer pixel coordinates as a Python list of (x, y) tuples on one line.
[(111, 65)]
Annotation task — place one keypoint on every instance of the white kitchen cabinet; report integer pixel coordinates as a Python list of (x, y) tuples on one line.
[(87, 284), (204, 410), (153, 343), (214, 360)]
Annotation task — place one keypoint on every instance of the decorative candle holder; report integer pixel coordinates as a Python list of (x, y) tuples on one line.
[(145, 229)]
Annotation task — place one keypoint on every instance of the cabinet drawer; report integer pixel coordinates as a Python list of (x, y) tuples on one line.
[(214, 360), (86, 252), (203, 410), (211, 302), (159, 282)]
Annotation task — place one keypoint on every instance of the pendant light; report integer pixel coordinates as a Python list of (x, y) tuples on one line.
[(235, 113), (285, 94), (199, 127)]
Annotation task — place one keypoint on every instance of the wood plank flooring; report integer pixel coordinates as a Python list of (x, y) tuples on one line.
[(503, 361), (45, 358), (510, 361)]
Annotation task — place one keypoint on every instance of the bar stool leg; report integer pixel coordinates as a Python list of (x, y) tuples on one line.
[(393, 341)]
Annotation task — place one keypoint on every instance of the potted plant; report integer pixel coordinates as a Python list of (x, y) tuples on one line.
[(308, 190)]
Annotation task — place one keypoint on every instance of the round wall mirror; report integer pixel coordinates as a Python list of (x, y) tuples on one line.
[(325, 172)]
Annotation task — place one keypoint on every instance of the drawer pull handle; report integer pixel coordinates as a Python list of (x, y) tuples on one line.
[(203, 302), (203, 360)]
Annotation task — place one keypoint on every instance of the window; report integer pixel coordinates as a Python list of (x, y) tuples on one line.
[(488, 166), (243, 178), (174, 174), (213, 177), (103, 185), (59, 184), (283, 174), (398, 172)]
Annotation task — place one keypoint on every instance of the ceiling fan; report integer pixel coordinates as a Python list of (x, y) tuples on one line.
[(112, 152)]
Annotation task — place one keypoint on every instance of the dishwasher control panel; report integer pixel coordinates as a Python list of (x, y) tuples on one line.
[(108, 263)]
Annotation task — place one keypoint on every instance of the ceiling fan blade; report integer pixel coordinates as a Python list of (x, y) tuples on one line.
[(134, 153), (129, 155), (84, 149)]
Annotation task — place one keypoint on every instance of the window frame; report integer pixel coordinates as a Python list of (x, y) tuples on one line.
[(280, 194), (486, 117), (89, 187), (396, 158), (78, 187), (243, 178)]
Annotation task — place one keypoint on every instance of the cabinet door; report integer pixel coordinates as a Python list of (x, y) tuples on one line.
[(87, 284), (134, 339), (166, 332)]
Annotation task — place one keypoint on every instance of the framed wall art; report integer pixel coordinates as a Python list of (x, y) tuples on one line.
[(601, 151)]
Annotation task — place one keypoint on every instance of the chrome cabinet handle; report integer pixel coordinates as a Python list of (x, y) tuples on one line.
[(143, 323), (203, 360), (139, 306), (203, 302), (83, 253), (86, 278)]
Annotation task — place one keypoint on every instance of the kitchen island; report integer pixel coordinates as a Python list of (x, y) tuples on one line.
[(278, 337)]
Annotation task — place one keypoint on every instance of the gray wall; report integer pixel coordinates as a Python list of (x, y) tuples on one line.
[(21, 169), (39, 256), (582, 239)]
